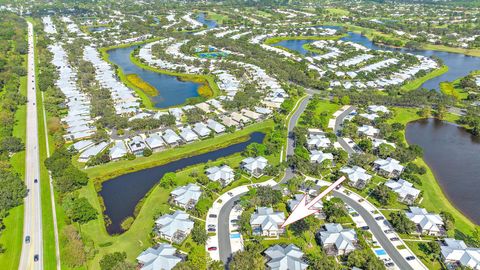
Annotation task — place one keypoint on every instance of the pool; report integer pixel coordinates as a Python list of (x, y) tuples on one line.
[(380, 252), (235, 235), (212, 54)]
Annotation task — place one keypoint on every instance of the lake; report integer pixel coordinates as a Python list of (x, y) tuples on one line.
[(453, 154), (121, 194), (459, 65), (97, 29), (171, 90), (201, 17)]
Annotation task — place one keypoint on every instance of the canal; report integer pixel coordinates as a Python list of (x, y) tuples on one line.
[(453, 154), (121, 194), (459, 65), (171, 90)]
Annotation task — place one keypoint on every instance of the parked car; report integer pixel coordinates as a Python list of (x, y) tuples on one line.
[(35, 180), (36, 258), (389, 264), (211, 229), (212, 216), (211, 226), (394, 239), (410, 258), (365, 228), (388, 231), (212, 248), (379, 218), (27, 239), (230, 194)]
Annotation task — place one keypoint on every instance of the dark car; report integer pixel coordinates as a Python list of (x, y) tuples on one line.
[(212, 248), (211, 229), (365, 228), (212, 216), (379, 218), (27, 239), (35, 180), (354, 214), (410, 258), (36, 258), (211, 226), (388, 231), (389, 264), (394, 239)]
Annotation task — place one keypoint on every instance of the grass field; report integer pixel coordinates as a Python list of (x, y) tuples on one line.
[(338, 11), (274, 40), (415, 84), (434, 199), (427, 260)]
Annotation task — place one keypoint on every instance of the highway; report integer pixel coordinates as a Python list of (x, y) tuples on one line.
[(32, 226)]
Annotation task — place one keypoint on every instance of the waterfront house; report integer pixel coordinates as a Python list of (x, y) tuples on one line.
[(118, 150), (252, 115), (388, 167), (92, 151), (357, 176), (376, 109), (224, 174), (405, 190), (155, 142), (215, 126), (254, 166), (80, 146), (186, 196), (229, 122), (201, 129), (171, 138), (137, 145), (239, 118), (427, 223), (285, 258), (336, 240), (188, 135), (266, 222), (456, 254), (163, 257), (174, 227)]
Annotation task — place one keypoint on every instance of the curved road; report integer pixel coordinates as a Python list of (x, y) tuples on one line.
[(32, 226)]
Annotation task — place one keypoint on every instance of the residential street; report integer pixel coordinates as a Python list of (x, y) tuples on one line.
[(32, 226)]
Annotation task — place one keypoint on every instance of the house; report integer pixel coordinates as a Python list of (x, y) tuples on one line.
[(81, 145), (188, 135), (336, 240), (164, 257), (171, 138), (155, 142), (388, 167), (239, 118), (254, 166), (371, 116), (368, 130), (201, 129), (250, 114), (266, 222), (456, 254), (376, 109), (297, 198), (285, 258), (92, 151), (174, 227), (229, 122), (137, 145), (376, 142), (215, 126), (186, 196), (427, 223), (405, 190), (317, 141), (118, 150), (357, 176), (224, 174), (319, 156)]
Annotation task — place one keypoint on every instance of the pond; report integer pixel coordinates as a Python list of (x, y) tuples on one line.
[(171, 90), (459, 65), (201, 17), (453, 154), (97, 29), (121, 194)]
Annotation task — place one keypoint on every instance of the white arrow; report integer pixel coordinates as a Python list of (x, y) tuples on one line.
[(304, 209)]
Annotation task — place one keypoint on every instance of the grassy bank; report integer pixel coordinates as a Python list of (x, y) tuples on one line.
[(274, 40), (415, 84), (141, 84), (434, 199)]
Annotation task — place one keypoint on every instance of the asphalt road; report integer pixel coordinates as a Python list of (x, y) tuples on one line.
[(32, 226), (338, 127), (391, 250)]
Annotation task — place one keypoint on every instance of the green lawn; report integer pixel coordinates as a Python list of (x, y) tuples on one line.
[(274, 40), (416, 248), (219, 18), (323, 106), (338, 11), (415, 84)]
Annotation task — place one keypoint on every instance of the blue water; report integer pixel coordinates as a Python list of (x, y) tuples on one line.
[(97, 29), (212, 54), (171, 90), (209, 23), (235, 235), (459, 65), (380, 252)]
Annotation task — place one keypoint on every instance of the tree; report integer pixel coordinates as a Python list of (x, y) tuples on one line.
[(79, 209), (216, 265), (250, 258), (402, 223), (12, 190), (74, 251), (441, 111), (199, 235), (319, 261), (364, 259), (345, 100), (11, 145), (147, 152), (267, 196), (110, 261), (335, 210), (299, 227), (384, 195), (168, 180), (385, 150)]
